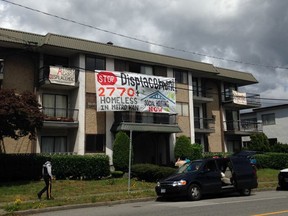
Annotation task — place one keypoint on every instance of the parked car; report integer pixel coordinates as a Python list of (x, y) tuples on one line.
[(283, 179), (213, 175)]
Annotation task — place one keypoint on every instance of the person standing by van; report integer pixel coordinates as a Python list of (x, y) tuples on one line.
[(47, 176)]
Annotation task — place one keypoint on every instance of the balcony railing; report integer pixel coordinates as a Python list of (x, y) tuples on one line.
[(242, 99), (243, 126), (200, 95), (137, 117), (65, 76), (60, 114), (204, 124)]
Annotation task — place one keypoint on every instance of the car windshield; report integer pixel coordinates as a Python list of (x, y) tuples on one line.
[(189, 167)]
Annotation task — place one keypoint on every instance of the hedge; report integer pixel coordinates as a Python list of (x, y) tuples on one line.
[(272, 160), (19, 167), (151, 172)]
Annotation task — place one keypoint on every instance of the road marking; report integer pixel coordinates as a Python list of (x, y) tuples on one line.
[(271, 213)]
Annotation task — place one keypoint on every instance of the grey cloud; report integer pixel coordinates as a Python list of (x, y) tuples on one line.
[(253, 31)]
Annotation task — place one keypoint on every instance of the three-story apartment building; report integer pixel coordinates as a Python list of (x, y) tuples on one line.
[(61, 71)]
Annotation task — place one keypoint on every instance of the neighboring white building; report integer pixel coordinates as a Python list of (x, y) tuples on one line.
[(274, 122)]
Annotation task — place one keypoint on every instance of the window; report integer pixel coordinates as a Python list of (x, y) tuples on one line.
[(95, 63), (1, 66), (56, 60), (268, 119), (53, 144), (95, 143), (181, 76), (120, 65), (182, 109), (134, 67), (199, 88), (55, 105), (148, 70), (197, 119)]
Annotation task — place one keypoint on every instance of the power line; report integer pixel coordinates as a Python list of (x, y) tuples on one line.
[(144, 41)]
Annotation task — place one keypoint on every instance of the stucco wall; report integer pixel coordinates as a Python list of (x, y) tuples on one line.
[(18, 73), (94, 121), (215, 139)]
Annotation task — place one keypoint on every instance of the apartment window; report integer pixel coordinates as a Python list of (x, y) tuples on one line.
[(197, 119), (1, 66), (56, 60), (268, 119), (145, 69), (95, 143), (182, 109), (95, 63), (55, 105), (120, 65), (53, 144), (134, 67), (180, 76)]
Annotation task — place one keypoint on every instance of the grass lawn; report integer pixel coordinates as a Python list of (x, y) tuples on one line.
[(23, 195)]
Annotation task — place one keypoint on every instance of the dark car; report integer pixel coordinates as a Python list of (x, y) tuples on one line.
[(249, 154), (283, 179), (206, 176)]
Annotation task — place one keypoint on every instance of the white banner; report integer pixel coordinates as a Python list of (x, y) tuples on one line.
[(63, 76), (125, 91), (239, 98)]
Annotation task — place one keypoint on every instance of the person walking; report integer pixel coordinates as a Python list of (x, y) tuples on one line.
[(47, 176)]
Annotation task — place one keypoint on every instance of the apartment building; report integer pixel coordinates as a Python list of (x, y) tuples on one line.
[(62, 72), (271, 120)]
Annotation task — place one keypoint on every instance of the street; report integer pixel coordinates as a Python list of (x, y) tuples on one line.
[(258, 204)]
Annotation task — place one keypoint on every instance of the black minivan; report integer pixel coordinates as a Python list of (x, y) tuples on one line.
[(211, 175)]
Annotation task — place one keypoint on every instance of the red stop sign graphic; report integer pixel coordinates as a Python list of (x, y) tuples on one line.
[(106, 78)]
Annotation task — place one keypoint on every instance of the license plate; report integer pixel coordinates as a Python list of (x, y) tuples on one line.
[(163, 190)]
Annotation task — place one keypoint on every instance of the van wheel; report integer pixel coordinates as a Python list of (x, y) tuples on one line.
[(245, 192), (194, 192)]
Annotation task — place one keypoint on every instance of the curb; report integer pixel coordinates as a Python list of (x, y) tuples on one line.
[(76, 206)]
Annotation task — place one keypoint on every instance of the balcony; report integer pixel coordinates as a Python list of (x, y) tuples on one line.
[(234, 99), (244, 128), (51, 77), (145, 122), (204, 125), (60, 117), (200, 96)]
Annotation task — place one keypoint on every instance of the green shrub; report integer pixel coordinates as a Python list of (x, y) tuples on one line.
[(183, 147), (80, 166), (215, 154), (151, 172), (16, 167), (259, 142), (196, 151), (279, 147), (121, 152), (20, 167), (117, 174), (272, 160)]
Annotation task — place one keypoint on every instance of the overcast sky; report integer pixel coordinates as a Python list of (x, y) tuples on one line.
[(245, 35)]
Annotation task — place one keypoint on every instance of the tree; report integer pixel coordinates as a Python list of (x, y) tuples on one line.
[(259, 142), (20, 114), (121, 151)]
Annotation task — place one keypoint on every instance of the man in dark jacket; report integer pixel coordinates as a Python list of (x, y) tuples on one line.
[(47, 176)]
